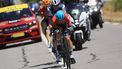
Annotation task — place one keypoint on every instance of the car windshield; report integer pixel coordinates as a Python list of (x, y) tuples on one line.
[(75, 10), (15, 15)]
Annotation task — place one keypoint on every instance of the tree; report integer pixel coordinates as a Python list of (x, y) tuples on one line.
[(117, 5)]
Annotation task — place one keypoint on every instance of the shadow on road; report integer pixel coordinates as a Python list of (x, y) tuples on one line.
[(58, 66), (48, 65), (81, 49)]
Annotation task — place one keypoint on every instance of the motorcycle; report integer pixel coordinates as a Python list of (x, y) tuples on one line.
[(79, 19), (95, 14)]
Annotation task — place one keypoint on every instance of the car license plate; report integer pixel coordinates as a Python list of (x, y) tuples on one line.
[(16, 35)]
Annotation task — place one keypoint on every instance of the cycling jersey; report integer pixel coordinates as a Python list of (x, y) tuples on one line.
[(54, 9), (44, 11), (60, 22)]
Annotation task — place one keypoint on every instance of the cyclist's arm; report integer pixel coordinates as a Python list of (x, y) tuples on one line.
[(40, 11), (54, 21), (68, 20)]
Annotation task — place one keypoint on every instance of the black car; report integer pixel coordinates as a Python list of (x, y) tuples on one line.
[(4, 3)]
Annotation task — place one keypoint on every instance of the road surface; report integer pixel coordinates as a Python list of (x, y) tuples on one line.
[(104, 51)]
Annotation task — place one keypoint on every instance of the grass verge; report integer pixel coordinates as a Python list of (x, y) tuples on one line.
[(110, 15)]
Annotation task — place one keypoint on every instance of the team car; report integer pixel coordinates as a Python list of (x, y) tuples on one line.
[(18, 23)]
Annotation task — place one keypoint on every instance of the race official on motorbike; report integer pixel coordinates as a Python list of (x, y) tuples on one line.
[(62, 22), (101, 3), (46, 22), (68, 2), (98, 4), (86, 7)]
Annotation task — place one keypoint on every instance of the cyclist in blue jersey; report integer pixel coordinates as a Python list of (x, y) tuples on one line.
[(56, 5)]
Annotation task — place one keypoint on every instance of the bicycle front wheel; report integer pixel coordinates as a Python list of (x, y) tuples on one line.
[(66, 55)]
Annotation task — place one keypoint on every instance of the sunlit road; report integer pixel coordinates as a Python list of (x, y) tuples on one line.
[(104, 51)]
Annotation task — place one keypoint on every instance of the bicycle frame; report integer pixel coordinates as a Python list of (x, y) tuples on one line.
[(64, 53)]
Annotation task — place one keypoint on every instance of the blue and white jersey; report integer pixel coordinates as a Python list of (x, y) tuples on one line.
[(53, 9)]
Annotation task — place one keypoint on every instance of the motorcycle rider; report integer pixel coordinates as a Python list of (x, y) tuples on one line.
[(86, 7), (68, 2), (62, 22), (46, 23), (101, 3), (98, 3)]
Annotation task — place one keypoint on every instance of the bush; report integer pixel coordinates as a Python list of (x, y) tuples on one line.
[(117, 5)]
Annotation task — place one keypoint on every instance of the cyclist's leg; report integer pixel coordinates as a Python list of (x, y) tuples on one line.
[(47, 32), (56, 39), (67, 37), (43, 25), (70, 44)]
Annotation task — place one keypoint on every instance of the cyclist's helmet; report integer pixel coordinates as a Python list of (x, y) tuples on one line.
[(55, 2), (46, 2), (60, 15)]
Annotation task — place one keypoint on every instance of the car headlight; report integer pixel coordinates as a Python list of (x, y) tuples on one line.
[(32, 23), (33, 9)]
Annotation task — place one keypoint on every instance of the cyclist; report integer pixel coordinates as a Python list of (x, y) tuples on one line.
[(56, 5), (46, 23), (61, 21)]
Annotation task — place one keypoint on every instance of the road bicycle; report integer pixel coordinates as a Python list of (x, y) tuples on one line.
[(61, 48)]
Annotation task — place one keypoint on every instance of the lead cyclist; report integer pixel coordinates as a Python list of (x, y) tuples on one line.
[(61, 20)]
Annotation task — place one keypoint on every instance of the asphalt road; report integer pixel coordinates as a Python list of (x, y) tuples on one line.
[(104, 51)]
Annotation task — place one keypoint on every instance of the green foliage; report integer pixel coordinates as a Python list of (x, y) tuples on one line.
[(117, 5)]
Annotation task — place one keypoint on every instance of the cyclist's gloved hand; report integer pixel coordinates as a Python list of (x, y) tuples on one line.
[(70, 28)]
